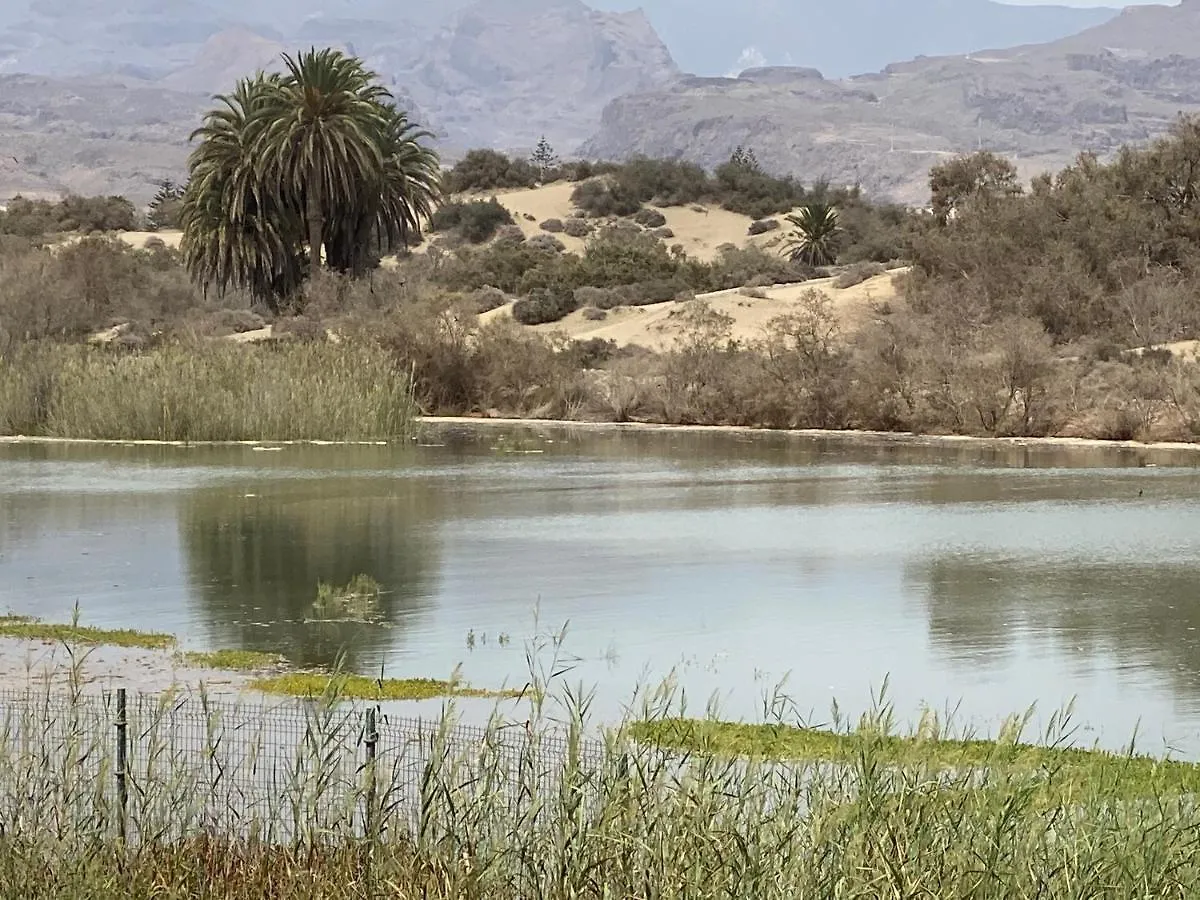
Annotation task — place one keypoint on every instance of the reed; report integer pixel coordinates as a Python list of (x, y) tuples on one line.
[(332, 800), (207, 391)]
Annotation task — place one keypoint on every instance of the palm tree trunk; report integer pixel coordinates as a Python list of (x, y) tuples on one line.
[(316, 222)]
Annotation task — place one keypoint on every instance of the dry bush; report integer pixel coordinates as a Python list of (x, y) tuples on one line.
[(554, 226), (576, 227), (858, 273), (81, 287), (546, 243)]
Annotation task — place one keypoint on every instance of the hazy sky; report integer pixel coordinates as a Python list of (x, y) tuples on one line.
[(1117, 3)]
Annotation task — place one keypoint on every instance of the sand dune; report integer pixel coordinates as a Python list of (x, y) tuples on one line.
[(699, 229), (655, 328)]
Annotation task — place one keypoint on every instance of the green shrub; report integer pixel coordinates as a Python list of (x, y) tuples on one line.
[(664, 182), (34, 218), (650, 218), (606, 196), (762, 226), (547, 243), (858, 273), (487, 298), (544, 305), (488, 170), (752, 192), (576, 227), (476, 220), (736, 266)]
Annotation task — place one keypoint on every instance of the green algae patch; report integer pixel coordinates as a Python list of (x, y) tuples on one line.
[(1068, 770), (233, 660), (24, 628), (358, 687)]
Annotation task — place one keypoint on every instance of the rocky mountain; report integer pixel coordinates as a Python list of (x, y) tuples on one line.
[(502, 74), (1122, 81), (851, 36)]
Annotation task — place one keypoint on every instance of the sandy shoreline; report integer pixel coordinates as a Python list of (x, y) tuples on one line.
[(865, 437), (36, 663), (868, 437)]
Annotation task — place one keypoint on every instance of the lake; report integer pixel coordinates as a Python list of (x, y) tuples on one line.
[(970, 575)]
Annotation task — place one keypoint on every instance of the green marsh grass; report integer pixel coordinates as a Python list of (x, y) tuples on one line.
[(1060, 768), (207, 391), (360, 687), (26, 628), (233, 660), (288, 803)]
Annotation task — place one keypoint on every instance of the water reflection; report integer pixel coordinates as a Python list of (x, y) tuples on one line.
[(1143, 615), (255, 558)]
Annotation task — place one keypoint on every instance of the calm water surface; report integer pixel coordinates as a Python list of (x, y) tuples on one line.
[(975, 577)]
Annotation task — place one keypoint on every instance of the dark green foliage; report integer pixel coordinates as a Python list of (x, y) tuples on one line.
[(35, 218), (978, 178), (543, 158), (663, 182), (576, 227), (476, 220), (816, 230), (291, 165), (544, 305), (650, 218), (1097, 249), (752, 192), (167, 206), (606, 197), (489, 170)]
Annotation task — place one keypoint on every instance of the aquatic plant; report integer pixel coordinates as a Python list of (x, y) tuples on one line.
[(357, 600), (26, 628)]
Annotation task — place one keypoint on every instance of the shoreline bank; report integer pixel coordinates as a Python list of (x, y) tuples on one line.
[(902, 438)]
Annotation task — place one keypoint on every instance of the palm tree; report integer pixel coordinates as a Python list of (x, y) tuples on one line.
[(392, 206), (316, 155), (815, 231), (323, 137), (237, 231)]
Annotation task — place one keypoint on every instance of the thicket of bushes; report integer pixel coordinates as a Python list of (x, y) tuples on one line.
[(616, 257), (36, 218), (475, 221), (1017, 316)]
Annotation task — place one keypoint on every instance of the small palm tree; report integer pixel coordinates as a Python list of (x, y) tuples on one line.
[(815, 232)]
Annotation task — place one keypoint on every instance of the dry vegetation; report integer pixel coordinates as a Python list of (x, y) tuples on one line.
[(232, 802), (1016, 316)]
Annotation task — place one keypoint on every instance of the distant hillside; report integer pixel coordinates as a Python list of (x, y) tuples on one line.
[(1122, 81), (849, 37)]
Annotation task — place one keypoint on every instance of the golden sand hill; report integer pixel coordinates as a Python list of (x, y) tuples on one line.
[(700, 230), (657, 326)]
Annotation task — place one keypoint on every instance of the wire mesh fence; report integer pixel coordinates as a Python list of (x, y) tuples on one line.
[(159, 767)]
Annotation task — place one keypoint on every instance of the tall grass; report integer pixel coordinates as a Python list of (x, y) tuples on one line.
[(240, 803), (206, 392)]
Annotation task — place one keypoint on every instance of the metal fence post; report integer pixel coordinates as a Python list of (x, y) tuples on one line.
[(372, 742), (122, 764)]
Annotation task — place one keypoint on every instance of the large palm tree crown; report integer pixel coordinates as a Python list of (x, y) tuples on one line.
[(815, 232), (324, 135), (316, 155)]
